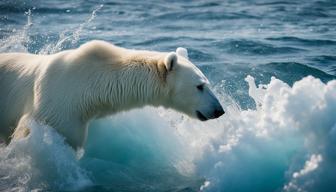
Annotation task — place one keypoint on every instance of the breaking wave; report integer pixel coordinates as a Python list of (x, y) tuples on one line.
[(286, 143)]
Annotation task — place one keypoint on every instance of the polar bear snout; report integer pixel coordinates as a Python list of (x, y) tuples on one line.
[(214, 113), (218, 112)]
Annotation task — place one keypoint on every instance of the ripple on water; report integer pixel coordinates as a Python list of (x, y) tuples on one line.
[(255, 47)]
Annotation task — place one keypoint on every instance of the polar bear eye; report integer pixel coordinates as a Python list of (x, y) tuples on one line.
[(200, 87)]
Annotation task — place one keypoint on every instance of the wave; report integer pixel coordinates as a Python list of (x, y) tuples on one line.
[(303, 41), (293, 71), (205, 15), (249, 47), (329, 59), (267, 149), (41, 161)]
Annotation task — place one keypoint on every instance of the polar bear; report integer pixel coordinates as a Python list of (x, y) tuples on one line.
[(68, 89)]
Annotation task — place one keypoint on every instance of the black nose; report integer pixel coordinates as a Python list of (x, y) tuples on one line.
[(218, 112)]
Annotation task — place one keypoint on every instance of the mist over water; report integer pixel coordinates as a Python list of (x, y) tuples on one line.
[(278, 136)]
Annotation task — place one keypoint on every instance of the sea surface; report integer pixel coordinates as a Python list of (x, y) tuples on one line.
[(278, 136)]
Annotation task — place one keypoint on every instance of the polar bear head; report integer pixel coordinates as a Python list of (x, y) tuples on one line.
[(189, 90)]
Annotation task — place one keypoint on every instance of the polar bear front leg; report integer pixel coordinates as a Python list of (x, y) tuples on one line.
[(22, 130)]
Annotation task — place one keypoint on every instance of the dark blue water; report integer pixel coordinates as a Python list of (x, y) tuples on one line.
[(228, 40)]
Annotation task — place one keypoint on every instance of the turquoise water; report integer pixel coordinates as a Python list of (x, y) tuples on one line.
[(277, 138)]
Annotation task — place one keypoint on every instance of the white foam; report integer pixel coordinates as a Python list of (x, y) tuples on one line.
[(310, 166), (42, 160), (246, 148)]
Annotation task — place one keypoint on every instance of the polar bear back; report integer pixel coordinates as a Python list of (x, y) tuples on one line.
[(16, 85)]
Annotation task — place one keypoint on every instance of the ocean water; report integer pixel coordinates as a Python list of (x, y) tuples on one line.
[(272, 64)]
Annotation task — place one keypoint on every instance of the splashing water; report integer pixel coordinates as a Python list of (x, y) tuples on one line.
[(42, 161), (293, 125), (20, 39), (72, 39)]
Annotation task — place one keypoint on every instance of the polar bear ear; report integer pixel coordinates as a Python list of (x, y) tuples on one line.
[(170, 61), (182, 52)]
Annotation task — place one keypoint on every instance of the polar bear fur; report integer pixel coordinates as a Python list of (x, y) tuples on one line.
[(68, 89)]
